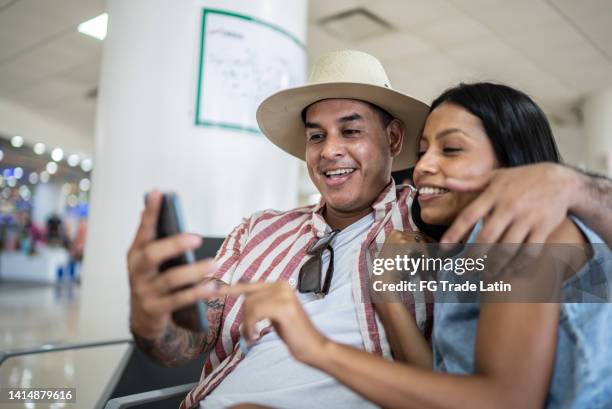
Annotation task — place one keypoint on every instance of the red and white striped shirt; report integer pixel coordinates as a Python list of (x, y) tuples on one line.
[(271, 246)]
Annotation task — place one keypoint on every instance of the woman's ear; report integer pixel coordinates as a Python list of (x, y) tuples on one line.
[(395, 136)]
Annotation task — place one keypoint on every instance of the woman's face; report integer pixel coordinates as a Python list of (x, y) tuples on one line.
[(454, 145)]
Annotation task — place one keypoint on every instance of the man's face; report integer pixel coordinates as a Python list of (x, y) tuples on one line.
[(349, 152)]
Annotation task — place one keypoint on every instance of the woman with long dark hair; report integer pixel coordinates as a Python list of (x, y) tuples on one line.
[(515, 126), (503, 355)]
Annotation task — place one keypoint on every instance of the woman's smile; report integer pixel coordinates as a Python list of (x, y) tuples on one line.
[(430, 192)]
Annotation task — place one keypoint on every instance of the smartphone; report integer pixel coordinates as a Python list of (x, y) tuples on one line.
[(170, 223)]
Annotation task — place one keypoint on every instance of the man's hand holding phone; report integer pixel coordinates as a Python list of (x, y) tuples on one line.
[(154, 297)]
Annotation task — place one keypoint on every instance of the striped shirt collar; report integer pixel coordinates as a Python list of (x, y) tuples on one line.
[(386, 196)]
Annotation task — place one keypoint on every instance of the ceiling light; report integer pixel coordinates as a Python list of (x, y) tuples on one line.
[(24, 192), (84, 184), (17, 141), (57, 154), (96, 27), (1, 154), (18, 172), (66, 188), (33, 178), (86, 165), (39, 148), (73, 160), (52, 168), (44, 176)]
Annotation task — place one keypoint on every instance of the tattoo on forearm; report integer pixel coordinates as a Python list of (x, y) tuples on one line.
[(215, 304), (178, 346)]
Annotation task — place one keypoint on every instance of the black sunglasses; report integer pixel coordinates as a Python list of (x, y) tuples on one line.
[(309, 280)]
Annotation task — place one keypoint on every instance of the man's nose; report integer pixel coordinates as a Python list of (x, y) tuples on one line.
[(333, 147)]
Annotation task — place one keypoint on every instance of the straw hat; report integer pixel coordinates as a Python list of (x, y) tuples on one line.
[(341, 74)]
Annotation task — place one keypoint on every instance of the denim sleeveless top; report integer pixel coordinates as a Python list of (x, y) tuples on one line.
[(582, 375)]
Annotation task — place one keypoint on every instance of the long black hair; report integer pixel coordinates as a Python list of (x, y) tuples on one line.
[(516, 126)]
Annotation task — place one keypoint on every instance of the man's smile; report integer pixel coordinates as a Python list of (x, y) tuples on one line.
[(338, 176)]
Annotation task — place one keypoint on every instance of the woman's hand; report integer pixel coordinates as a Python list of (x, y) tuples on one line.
[(410, 237), (523, 204), (278, 303), (400, 244)]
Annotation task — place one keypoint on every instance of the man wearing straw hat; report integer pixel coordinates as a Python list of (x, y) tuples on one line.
[(352, 129)]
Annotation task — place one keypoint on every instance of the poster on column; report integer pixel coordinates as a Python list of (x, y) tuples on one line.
[(243, 60)]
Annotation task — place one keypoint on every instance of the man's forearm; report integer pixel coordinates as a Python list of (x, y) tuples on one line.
[(593, 204), (178, 346)]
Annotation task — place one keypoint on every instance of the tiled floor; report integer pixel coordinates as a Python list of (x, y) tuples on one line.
[(34, 315), (88, 371)]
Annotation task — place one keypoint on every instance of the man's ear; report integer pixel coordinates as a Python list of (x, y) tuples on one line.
[(395, 136)]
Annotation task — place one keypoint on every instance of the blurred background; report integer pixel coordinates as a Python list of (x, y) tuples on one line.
[(101, 101)]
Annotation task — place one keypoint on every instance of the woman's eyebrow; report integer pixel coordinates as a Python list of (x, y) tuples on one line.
[(449, 131)]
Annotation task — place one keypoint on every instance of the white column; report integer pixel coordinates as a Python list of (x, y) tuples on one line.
[(597, 115), (148, 133)]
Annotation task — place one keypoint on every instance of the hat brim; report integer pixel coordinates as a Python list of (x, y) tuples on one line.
[(279, 116)]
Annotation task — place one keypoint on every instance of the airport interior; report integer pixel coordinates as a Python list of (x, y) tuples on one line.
[(103, 101)]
